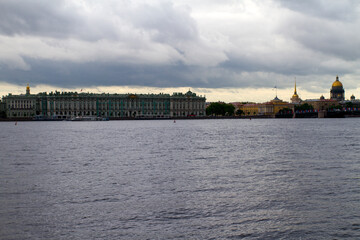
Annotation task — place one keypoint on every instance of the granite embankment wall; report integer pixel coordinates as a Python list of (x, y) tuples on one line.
[(341, 114)]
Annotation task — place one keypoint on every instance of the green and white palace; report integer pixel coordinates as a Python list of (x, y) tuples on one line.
[(65, 105)]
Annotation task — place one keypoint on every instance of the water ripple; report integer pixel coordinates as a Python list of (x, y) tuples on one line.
[(205, 179)]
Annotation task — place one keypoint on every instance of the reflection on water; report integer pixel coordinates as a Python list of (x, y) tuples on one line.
[(202, 179)]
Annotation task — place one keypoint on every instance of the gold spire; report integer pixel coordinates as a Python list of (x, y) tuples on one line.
[(295, 97), (295, 93)]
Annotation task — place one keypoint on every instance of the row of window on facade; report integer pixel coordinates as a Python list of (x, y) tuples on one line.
[(21, 104), (118, 106), (115, 114), (30, 104)]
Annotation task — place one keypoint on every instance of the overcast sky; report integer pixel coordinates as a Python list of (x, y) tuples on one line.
[(229, 50)]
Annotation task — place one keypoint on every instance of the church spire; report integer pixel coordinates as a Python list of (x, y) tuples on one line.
[(295, 98)]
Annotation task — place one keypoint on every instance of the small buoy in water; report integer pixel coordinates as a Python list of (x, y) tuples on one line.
[(250, 118), (15, 123), (174, 121)]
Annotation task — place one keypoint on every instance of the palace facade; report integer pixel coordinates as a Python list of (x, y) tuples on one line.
[(64, 105), (270, 108)]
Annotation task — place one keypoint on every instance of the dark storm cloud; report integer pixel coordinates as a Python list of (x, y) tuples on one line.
[(64, 74)]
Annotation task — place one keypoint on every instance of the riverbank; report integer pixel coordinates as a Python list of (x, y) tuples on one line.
[(299, 115)]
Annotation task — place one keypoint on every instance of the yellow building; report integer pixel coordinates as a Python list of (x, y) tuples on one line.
[(274, 106), (250, 109), (322, 103), (269, 108)]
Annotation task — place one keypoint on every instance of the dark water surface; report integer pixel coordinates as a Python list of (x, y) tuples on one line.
[(199, 179)]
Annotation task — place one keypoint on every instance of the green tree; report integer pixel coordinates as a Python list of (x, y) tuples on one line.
[(229, 109), (220, 109), (332, 107), (239, 112), (349, 104), (214, 109), (304, 106)]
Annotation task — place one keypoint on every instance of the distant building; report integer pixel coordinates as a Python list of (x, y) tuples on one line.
[(65, 105), (21, 106), (268, 108), (274, 106), (353, 103), (249, 109), (337, 91), (322, 103), (2, 109), (337, 96)]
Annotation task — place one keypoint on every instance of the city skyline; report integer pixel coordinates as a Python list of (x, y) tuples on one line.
[(137, 90), (229, 51)]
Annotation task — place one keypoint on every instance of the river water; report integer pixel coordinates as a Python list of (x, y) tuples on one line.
[(193, 179)]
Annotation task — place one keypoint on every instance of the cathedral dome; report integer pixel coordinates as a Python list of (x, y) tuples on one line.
[(337, 91), (337, 83)]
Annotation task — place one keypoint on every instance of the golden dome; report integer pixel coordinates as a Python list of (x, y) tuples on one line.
[(337, 83), (295, 95)]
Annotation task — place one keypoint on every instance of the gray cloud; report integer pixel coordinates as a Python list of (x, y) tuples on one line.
[(331, 37), (171, 25), (44, 18), (344, 10), (68, 19), (82, 75), (91, 74), (163, 44)]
